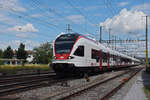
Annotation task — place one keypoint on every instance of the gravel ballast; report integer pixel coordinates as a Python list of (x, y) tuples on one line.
[(45, 92)]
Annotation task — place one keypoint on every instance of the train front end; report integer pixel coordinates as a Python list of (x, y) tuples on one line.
[(62, 60)]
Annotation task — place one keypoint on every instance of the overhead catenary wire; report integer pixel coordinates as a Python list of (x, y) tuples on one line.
[(25, 16), (60, 15), (85, 16), (37, 4), (107, 6), (87, 19), (28, 18)]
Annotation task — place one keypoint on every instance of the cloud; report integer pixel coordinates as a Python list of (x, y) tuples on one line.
[(125, 22), (26, 28), (13, 5), (6, 20), (36, 15), (22, 35), (7, 6), (92, 7), (122, 4), (14, 44), (29, 44), (98, 15), (76, 18), (143, 7)]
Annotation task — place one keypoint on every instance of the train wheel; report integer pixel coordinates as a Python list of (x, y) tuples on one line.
[(81, 74)]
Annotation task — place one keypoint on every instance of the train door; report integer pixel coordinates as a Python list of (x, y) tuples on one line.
[(108, 60), (115, 61), (80, 55), (101, 60), (87, 55)]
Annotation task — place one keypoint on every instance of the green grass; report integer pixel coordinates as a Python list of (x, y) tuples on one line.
[(13, 69), (147, 91)]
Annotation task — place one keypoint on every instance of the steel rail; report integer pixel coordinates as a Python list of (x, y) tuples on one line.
[(78, 90)]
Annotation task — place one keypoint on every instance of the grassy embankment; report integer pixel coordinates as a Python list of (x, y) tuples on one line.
[(147, 91), (8, 69)]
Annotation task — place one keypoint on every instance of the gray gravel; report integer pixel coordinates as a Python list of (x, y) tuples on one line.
[(100, 91), (82, 87), (125, 90), (45, 92)]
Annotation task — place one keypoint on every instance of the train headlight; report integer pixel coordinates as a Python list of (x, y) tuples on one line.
[(70, 57), (54, 57)]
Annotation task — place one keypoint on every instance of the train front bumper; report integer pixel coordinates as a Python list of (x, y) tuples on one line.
[(63, 67)]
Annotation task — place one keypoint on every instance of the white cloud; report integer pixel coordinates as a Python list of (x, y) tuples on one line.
[(26, 28), (22, 35), (76, 18), (36, 15), (14, 44), (7, 6), (122, 4), (126, 21), (13, 5), (6, 20), (98, 15), (143, 7), (92, 7), (29, 44)]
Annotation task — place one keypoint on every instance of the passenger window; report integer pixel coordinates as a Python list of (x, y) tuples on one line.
[(104, 57), (79, 51), (95, 55)]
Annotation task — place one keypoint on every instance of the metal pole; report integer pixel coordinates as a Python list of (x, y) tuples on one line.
[(112, 42), (68, 28), (100, 34), (115, 42), (146, 43), (109, 35)]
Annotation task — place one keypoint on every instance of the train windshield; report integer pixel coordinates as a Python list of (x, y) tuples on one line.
[(64, 43)]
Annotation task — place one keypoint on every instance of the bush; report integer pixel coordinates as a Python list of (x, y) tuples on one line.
[(147, 91), (8, 69), (1, 62)]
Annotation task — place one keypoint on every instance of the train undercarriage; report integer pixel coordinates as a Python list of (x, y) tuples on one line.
[(65, 69)]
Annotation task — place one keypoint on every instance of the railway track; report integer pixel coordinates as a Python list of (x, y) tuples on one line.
[(75, 91), (119, 86), (19, 75), (9, 86), (12, 79), (14, 84)]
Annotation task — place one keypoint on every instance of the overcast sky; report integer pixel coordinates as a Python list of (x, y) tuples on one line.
[(38, 21)]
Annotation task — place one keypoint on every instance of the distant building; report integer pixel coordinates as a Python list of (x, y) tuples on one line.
[(12, 61), (15, 61), (30, 56)]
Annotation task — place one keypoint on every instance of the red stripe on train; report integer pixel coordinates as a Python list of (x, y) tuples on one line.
[(108, 60), (62, 56)]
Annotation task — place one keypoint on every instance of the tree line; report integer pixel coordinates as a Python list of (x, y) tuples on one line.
[(41, 54)]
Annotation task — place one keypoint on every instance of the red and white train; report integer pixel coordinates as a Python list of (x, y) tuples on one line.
[(75, 53)]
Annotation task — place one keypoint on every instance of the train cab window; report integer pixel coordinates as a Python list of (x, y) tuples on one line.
[(79, 51), (64, 43)]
